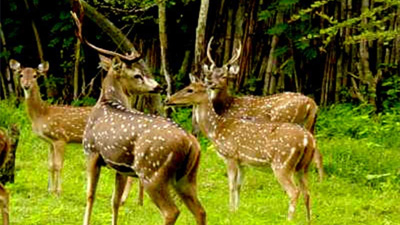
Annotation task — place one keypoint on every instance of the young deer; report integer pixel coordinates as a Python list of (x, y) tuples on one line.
[(5, 148), (283, 107), (57, 125), (287, 148)]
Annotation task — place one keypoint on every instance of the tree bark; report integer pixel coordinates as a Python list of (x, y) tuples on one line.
[(199, 47), (76, 68), (269, 79), (164, 45)]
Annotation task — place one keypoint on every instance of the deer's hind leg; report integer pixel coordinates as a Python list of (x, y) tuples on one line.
[(186, 188), (285, 178), (160, 195), (235, 177), (4, 198)]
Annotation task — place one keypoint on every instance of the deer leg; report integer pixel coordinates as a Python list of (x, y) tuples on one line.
[(160, 195), (127, 189), (303, 178), (50, 183), (59, 147), (140, 193), (285, 178), (186, 188), (4, 204), (93, 173), (317, 158), (235, 178), (120, 184)]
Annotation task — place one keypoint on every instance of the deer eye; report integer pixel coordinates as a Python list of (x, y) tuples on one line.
[(20, 76), (189, 91), (34, 76), (137, 76)]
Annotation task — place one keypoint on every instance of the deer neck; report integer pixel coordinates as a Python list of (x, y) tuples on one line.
[(35, 105), (221, 101), (112, 91), (207, 119)]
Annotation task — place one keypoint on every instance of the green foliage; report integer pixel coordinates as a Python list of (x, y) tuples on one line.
[(85, 101)]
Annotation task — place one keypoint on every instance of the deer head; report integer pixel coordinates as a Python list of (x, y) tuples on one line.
[(217, 77), (193, 94), (28, 76)]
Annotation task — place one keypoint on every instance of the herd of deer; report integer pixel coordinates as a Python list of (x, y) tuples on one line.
[(271, 131)]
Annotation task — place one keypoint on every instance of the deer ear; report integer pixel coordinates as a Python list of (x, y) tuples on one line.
[(15, 65), (193, 78), (233, 70), (43, 67), (105, 62), (117, 64), (206, 69)]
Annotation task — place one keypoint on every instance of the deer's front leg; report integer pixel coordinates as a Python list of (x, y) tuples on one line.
[(93, 173), (51, 182), (235, 177), (120, 184), (58, 164)]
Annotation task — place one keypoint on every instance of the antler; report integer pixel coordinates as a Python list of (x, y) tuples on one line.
[(128, 57), (209, 54), (235, 57)]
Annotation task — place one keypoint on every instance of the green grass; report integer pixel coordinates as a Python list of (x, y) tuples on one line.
[(362, 186)]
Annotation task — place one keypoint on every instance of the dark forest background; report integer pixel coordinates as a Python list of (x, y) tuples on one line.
[(334, 51)]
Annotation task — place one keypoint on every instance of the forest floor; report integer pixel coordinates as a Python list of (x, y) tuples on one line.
[(362, 185)]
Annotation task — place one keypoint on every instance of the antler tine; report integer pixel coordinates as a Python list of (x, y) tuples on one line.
[(130, 57), (236, 55), (208, 52)]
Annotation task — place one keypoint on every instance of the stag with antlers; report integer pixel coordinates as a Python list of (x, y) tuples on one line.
[(283, 107), (132, 143)]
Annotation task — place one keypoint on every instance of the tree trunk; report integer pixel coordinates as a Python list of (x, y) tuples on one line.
[(199, 47), (164, 45), (7, 73), (365, 72), (269, 79), (38, 45), (76, 68)]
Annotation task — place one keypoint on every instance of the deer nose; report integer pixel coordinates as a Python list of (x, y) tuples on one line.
[(157, 89), (166, 101)]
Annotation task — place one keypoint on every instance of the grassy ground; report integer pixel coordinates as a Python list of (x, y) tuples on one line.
[(362, 186)]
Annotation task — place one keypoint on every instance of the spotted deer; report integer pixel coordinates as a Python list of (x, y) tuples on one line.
[(285, 147), (283, 107), (132, 143), (5, 149), (56, 124)]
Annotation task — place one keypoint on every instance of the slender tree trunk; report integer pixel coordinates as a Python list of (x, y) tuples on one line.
[(6, 68), (76, 68), (38, 45), (365, 72), (269, 80), (164, 44), (199, 48)]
